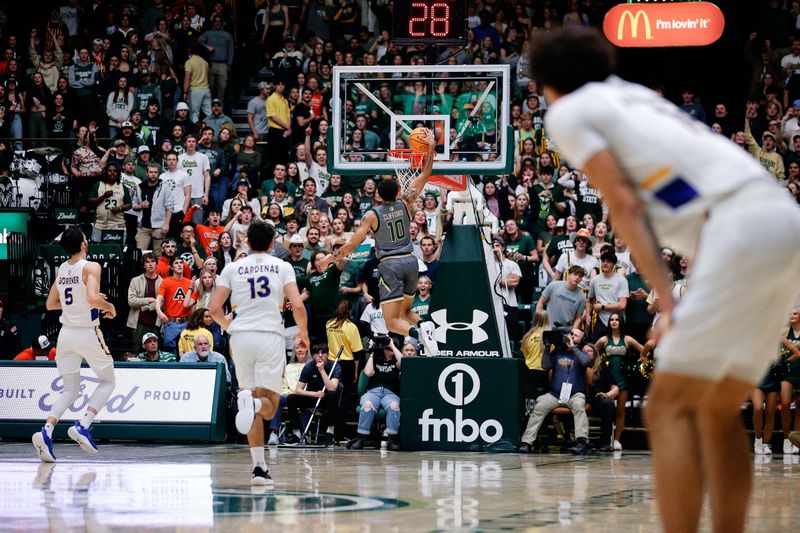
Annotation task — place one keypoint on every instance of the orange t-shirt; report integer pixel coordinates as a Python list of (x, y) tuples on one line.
[(208, 237), (27, 355), (162, 267), (174, 291)]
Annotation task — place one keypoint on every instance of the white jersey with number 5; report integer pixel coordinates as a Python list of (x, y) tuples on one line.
[(257, 291), (75, 309), (679, 167)]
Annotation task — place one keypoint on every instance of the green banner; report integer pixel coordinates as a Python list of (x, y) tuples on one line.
[(55, 254), (461, 302), (460, 404), (11, 221)]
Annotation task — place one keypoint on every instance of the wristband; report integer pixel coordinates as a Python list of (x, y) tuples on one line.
[(602, 307)]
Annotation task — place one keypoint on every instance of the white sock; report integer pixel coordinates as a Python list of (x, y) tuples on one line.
[(257, 454), (759, 441), (87, 419), (48, 427)]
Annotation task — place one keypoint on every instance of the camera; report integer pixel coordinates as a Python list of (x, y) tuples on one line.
[(557, 337), (377, 345)]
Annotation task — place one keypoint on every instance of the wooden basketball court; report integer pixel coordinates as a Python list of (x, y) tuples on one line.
[(202, 487)]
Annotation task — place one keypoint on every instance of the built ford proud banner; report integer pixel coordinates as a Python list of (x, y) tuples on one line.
[(151, 401), (455, 403)]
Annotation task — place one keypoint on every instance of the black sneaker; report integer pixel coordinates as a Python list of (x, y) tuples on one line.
[(393, 443), (261, 477), (524, 447), (583, 447), (327, 439), (291, 439), (355, 444)]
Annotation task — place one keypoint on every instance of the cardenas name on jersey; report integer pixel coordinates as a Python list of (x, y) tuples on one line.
[(244, 270)]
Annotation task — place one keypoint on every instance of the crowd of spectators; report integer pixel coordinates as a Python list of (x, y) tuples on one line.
[(138, 98)]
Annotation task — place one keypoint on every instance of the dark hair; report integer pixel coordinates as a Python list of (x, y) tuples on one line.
[(196, 318), (621, 319), (72, 239), (387, 190), (260, 235), (570, 58), (576, 269), (280, 187), (149, 256), (341, 314), (609, 256), (319, 347)]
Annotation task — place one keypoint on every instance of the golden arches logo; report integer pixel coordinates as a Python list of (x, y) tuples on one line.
[(634, 24)]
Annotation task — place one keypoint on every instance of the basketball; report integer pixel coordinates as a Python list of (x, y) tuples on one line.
[(418, 140)]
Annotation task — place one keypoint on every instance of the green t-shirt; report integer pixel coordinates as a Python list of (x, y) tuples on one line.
[(547, 206), (325, 294), (163, 357), (525, 246), (558, 245), (421, 307), (267, 186)]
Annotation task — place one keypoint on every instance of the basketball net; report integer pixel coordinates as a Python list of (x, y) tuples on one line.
[(408, 165)]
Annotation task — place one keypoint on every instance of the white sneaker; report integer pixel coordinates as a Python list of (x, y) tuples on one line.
[(767, 449), (787, 447), (247, 411), (273, 439), (427, 338), (795, 450), (617, 446), (758, 447)]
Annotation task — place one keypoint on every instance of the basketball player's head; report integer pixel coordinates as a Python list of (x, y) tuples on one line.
[(567, 59), (260, 235), (72, 240), (387, 190)]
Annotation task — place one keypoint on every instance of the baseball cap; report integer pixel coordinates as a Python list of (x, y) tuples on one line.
[(243, 181), (264, 85), (498, 239), (768, 134), (119, 142), (796, 103), (143, 148), (182, 106), (11, 80), (98, 41), (130, 159), (147, 336), (289, 38), (216, 101), (42, 343), (127, 124)]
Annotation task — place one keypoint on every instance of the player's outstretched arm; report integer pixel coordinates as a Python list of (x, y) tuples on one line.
[(419, 182), (91, 277), (367, 223), (292, 293)]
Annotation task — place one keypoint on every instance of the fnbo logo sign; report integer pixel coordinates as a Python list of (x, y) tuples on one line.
[(458, 385), (11, 222)]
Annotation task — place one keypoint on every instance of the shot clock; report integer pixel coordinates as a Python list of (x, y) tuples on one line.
[(441, 22)]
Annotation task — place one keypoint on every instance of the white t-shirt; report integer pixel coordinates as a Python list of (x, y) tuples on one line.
[(320, 175), (257, 285), (195, 166), (510, 294), (132, 184), (174, 182), (568, 258), (374, 317), (680, 168)]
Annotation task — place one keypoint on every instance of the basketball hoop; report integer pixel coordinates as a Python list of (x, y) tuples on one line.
[(408, 165)]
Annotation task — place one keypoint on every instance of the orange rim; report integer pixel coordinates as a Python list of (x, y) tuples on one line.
[(415, 159)]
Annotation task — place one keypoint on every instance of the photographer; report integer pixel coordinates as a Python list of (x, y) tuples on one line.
[(383, 370), (567, 383)]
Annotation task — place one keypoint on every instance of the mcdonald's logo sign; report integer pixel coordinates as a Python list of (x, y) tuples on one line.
[(667, 24), (633, 20)]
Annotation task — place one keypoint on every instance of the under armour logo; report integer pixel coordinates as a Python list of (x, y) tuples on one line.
[(478, 319)]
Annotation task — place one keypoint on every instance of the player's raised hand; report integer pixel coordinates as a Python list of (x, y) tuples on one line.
[(431, 138)]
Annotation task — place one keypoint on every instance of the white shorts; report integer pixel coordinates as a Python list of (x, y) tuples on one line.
[(75, 344), (260, 358), (741, 288)]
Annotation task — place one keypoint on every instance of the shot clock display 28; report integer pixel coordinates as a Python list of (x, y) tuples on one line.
[(429, 22)]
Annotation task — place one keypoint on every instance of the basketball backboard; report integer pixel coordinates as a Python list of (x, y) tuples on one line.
[(375, 108)]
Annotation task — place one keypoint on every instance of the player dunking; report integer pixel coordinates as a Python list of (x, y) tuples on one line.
[(667, 177), (76, 292), (258, 285), (398, 268)]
